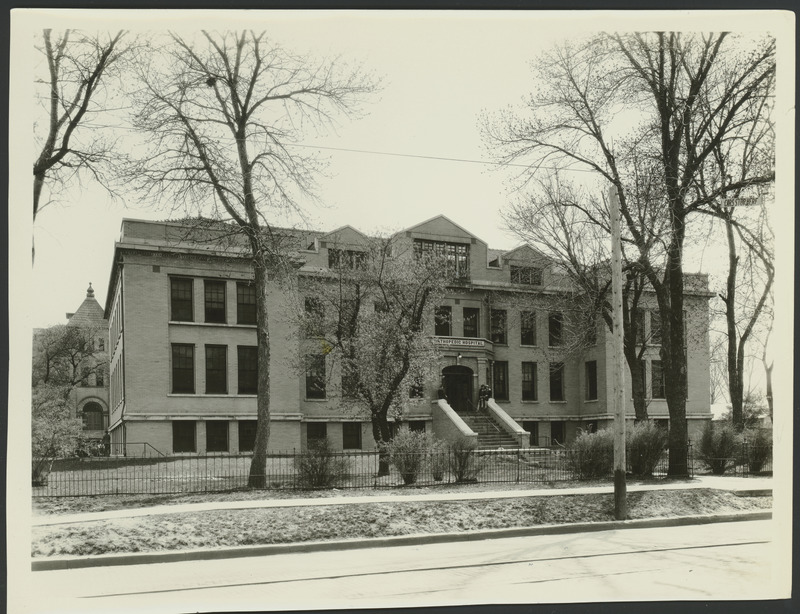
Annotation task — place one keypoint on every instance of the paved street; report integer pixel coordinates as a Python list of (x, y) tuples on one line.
[(724, 561)]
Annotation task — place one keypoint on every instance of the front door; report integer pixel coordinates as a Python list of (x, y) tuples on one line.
[(458, 387)]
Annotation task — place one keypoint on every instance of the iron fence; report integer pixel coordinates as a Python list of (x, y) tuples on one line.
[(747, 460), (159, 474)]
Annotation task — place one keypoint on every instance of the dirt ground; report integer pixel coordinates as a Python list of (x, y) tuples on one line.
[(218, 528)]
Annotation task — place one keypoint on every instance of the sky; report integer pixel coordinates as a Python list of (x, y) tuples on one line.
[(439, 72)]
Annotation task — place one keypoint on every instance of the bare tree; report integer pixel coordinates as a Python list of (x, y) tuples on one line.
[(572, 229), (367, 319), (222, 112), (78, 66), (665, 100)]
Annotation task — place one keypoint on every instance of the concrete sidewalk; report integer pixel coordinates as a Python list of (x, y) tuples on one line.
[(751, 485)]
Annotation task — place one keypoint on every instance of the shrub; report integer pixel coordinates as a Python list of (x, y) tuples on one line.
[(759, 449), (321, 466), (591, 455), (407, 452), (645, 447), (718, 446), (464, 462), (438, 458)]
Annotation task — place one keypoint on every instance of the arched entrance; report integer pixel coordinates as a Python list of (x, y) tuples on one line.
[(92, 417), (458, 387)]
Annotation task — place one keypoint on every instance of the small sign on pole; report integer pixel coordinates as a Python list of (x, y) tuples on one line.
[(742, 201)]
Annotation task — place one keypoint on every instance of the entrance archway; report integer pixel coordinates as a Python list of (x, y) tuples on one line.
[(458, 387)]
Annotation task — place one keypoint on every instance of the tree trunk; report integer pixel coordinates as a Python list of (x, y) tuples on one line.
[(380, 432), (735, 379), (674, 362), (258, 465)]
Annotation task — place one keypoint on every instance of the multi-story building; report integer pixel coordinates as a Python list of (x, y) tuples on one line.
[(181, 314)]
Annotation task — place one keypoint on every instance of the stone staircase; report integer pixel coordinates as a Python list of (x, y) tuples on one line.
[(490, 435)]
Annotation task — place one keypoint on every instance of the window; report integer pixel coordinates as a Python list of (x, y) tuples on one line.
[(639, 321), (351, 435), (655, 328), (417, 388), (416, 426), (216, 436), (472, 316), (247, 435), (183, 436), (555, 323), (527, 321), (315, 377), (216, 369), (182, 368), (86, 372), (348, 312), (101, 344), (248, 369), (657, 383), (530, 276), (643, 375), (456, 255), (500, 384), (99, 377), (245, 303), (315, 316), (181, 299), (498, 324), (558, 432), (556, 381), (215, 301), (92, 417), (443, 319), (346, 259), (349, 382), (591, 380), (316, 431), (533, 428), (529, 377), (591, 332)]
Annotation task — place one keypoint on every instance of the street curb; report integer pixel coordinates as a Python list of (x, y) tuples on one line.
[(105, 560)]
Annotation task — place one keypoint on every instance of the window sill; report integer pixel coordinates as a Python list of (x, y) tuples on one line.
[(502, 400), (212, 324), (528, 345), (558, 402), (316, 400), (534, 402)]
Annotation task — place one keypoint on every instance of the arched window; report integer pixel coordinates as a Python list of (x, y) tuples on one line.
[(92, 417)]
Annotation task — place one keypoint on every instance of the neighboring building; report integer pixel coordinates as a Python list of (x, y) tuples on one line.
[(181, 314), (91, 395)]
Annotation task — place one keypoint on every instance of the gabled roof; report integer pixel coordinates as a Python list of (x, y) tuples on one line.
[(345, 235), (526, 252), (439, 225)]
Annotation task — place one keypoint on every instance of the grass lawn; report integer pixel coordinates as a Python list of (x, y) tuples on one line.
[(218, 528)]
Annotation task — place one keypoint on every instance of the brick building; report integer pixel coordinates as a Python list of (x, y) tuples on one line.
[(181, 315)]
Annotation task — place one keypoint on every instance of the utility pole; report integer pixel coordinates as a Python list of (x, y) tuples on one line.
[(620, 487)]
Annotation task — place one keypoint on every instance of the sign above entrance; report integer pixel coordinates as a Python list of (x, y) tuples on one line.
[(474, 343)]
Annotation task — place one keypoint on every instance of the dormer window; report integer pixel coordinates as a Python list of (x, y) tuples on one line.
[(346, 259), (527, 275), (456, 255)]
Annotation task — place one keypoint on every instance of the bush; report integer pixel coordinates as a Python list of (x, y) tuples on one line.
[(438, 458), (591, 455), (759, 449), (645, 447), (718, 447), (464, 462), (407, 452), (321, 466)]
